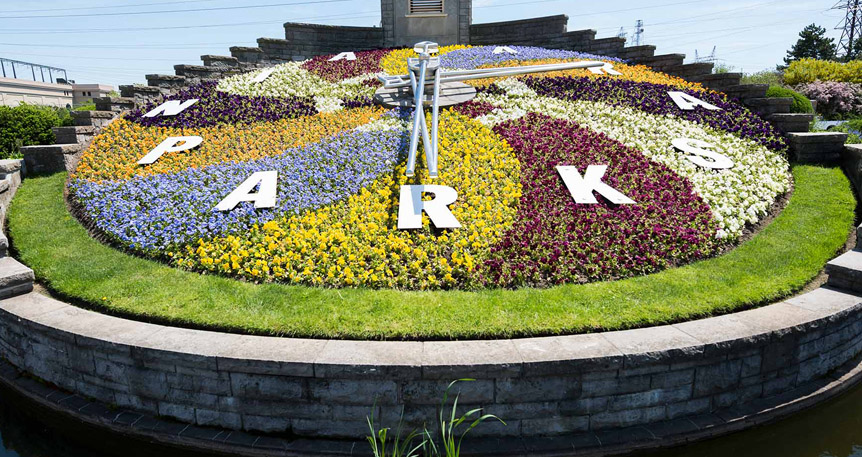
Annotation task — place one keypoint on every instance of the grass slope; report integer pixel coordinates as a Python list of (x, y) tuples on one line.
[(779, 261)]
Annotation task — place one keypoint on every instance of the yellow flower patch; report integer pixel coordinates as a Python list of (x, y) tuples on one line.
[(395, 63), (114, 154), (355, 243)]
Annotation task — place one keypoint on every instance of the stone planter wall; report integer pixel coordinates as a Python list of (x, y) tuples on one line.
[(540, 386)]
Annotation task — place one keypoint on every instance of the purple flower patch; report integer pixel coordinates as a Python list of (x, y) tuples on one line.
[(470, 58), (215, 107), (555, 240), (653, 99)]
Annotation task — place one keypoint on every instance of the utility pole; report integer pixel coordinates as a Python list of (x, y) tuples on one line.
[(851, 26)]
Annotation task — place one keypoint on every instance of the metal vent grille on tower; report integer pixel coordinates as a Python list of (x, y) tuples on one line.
[(426, 6)]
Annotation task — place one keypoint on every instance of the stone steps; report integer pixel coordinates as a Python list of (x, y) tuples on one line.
[(745, 92), (845, 271), (251, 55), (143, 94), (689, 70), (220, 61), (15, 278), (717, 81), (115, 104), (791, 122), (816, 147), (51, 158), (167, 82), (662, 61), (769, 106), (98, 119), (78, 134), (637, 52), (204, 73)]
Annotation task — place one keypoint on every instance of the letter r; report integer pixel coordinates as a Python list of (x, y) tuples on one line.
[(410, 207)]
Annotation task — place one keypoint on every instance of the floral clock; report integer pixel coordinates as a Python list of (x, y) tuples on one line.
[(293, 174)]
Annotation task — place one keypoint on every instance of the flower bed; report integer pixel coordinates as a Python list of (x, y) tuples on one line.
[(341, 164)]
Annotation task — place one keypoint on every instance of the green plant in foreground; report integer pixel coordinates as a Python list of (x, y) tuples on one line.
[(379, 439), (450, 441)]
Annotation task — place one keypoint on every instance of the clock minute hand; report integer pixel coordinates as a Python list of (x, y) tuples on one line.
[(416, 80), (395, 82)]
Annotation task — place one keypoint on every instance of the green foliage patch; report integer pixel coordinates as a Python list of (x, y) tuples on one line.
[(801, 103), (809, 70), (779, 261), (27, 125)]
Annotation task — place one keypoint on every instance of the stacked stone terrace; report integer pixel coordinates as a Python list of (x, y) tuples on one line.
[(303, 41)]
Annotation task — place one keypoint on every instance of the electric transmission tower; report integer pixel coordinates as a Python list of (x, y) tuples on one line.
[(851, 26), (622, 33), (639, 31), (705, 59)]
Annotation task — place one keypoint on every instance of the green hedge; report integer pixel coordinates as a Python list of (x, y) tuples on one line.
[(810, 70), (801, 104), (27, 125)]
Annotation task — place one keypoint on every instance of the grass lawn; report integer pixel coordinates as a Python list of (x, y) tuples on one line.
[(777, 262)]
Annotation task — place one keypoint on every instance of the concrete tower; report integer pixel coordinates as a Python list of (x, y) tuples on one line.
[(406, 22)]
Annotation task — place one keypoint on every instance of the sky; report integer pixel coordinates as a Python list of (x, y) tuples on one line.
[(113, 42)]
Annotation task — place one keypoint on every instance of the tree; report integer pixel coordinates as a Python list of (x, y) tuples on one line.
[(855, 51), (814, 44)]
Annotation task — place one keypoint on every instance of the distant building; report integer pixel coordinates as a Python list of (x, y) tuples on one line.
[(85, 93), (14, 92), (49, 86)]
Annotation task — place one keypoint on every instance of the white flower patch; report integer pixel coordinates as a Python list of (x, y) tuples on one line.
[(384, 123), (328, 104), (737, 196), (291, 80)]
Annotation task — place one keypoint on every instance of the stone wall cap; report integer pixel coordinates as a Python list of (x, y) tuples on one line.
[(645, 344), (11, 165)]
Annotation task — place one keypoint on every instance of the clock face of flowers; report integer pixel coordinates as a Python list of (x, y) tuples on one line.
[(292, 174)]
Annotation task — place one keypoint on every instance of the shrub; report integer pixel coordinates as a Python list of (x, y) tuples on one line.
[(834, 99), (26, 125), (801, 104), (771, 77), (809, 70)]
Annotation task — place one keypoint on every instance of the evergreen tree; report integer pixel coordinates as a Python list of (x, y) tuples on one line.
[(812, 43), (855, 51)]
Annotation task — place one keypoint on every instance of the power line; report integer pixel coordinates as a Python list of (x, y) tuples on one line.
[(221, 8), (178, 27), (111, 46), (108, 7)]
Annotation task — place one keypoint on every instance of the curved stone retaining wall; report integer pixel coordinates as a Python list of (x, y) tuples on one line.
[(540, 386)]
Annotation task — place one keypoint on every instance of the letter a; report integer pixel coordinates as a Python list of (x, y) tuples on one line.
[(264, 198), (410, 207), (171, 108), (606, 68), (262, 76), (687, 102), (504, 50), (344, 56), (582, 188), (172, 144)]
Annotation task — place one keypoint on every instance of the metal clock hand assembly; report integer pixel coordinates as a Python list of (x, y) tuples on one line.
[(446, 89)]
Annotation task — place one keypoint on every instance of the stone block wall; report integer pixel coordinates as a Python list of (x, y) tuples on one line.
[(540, 386)]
